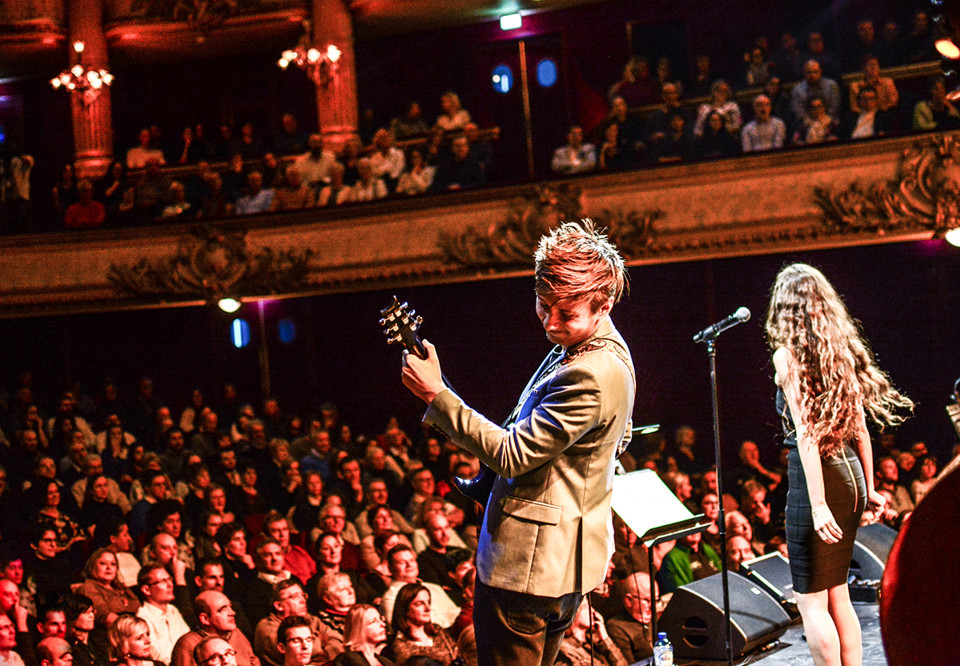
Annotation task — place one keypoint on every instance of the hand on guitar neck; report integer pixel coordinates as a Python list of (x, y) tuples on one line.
[(422, 375)]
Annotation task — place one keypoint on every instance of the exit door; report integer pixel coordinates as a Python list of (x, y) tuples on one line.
[(524, 86)]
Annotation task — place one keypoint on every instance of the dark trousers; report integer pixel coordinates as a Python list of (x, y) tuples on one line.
[(513, 628)]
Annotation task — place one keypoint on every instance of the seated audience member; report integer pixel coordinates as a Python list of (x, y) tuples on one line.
[(368, 186), (378, 578), (586, 641), (870, 121), (45, 569), (348, 486), (86, 213), (420, 539), (96, 506), (434, 562), (214, 202), (257, 593), (80, 627), (377, 495), (239, 568), (630, 629), (919, 44), (54, 651), (330, 561), (288, 600), (630, 131), (418, 177), (675, 144), (738, 552), (291, 140), (458, 170), (415, 633), (139, 156), (925, 480), (737, 524), (764, 132), (452, 116), (296, 560), (754, 505), (386, 159), (814, 86), (614, 153), (689, 560), (721, 101), (481, 151), (333, 520), (411, 124), (215, 618), (887, 95), (635, 86), (887, 477), (92, 467), (306, 510), (51, 514), (114, 535), (103, 586), (164, 620), (8, 642), (256, 198), (131, 643), (295, 641), (403, 570), (817, 126), (710, 506), (365, 636), (210, 578), (759, 68), (715, 140), (180, 209), (293, 194), (576, 156), (336, 596), (936, 112)]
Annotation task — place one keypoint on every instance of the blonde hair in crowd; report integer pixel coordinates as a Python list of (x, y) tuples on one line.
[(836, 370), (576, 260)]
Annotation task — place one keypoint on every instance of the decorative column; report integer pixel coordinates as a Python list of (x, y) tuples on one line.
[(92, 117), (337, 96)]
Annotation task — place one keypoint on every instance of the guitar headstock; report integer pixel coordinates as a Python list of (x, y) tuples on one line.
[(400, 324)]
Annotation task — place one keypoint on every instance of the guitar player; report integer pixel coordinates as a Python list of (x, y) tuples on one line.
[(547, 534)]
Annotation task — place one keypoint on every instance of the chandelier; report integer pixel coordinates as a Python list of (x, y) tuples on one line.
[(320, 65), (83, 80)]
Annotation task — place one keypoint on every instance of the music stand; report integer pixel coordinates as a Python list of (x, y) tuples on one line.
[(655, 515)]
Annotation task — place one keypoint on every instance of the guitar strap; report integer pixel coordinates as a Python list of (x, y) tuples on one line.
[(546, 367)]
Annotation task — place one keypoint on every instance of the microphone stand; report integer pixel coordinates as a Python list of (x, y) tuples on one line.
[(721, 519)]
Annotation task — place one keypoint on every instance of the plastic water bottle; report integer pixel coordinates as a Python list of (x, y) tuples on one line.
[(662, 650)]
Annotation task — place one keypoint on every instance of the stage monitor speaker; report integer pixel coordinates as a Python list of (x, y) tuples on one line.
[(772, 574), (695, 624), (871, 550)]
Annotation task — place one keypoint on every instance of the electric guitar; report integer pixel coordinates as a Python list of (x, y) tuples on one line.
[(400, 324)]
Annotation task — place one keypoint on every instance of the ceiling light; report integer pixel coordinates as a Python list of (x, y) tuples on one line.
[(510, 21)]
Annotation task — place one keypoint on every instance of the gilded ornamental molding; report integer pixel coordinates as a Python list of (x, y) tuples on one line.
[(925, 194), (211, 263), (513, 240)]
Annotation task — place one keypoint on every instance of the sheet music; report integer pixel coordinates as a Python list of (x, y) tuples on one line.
[(645, 502)]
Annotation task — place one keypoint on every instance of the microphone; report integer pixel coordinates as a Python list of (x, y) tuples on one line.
[(711, 332)]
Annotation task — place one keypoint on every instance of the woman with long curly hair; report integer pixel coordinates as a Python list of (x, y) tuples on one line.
[(828, 382)]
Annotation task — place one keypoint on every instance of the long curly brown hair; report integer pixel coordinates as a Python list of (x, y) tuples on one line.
[(836, 369)]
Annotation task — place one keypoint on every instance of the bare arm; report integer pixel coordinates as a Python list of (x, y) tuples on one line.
[(823, 520), (875, 501)]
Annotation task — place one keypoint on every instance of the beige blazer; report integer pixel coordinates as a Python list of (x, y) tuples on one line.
[(547, 527)]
